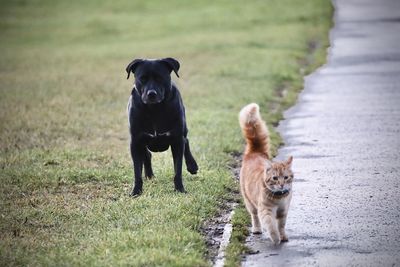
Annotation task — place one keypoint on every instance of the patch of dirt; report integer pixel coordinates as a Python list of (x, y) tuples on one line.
[(213, 229)]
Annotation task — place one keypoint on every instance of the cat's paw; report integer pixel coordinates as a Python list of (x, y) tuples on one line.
[(275, 239), (276, 242), (256, 231), (284, 238)]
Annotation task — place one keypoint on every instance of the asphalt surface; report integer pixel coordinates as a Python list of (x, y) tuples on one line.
[(344, 134)]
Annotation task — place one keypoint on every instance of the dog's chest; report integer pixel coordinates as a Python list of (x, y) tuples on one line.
[(157, 127), (159, 140), (159, 133), (159, 144)]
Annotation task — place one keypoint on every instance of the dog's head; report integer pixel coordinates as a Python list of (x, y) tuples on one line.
[(153, 77)]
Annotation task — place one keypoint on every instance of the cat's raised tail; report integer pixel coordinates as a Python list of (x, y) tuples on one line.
[(254, 130)]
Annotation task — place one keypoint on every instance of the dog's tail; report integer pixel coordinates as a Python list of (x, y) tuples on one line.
[(254, 130)]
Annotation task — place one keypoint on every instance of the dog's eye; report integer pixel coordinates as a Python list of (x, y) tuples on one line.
[(275, 178), (144, 79), (158, 79)]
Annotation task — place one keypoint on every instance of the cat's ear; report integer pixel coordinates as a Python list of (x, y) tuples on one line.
[(289, 161)]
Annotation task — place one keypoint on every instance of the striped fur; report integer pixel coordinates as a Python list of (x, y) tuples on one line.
[(265, 185)]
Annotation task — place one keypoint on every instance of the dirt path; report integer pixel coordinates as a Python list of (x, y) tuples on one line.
[(344, 134)]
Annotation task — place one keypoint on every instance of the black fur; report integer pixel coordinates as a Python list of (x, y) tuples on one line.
[(157, 120)]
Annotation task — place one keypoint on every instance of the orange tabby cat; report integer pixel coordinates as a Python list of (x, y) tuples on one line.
[(265, 185)]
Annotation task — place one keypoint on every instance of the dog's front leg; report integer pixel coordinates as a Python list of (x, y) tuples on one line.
[(178, 147), (137, 154), (148, 170)]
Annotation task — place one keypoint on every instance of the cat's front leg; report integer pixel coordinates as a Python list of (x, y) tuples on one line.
[(281, 227), (268, 223), (255, 222), (281, 217)]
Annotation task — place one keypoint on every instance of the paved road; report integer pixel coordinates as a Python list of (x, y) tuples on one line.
[(344, 134)]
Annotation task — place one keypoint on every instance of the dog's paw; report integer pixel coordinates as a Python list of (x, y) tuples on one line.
[(192, 167), (150, 176), (135, 192), (180, 189), (148, 173)]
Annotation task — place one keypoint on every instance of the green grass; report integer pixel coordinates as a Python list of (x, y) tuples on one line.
[(65, 167)]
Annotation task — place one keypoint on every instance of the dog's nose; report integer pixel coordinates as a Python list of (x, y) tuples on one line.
[(151, 94)]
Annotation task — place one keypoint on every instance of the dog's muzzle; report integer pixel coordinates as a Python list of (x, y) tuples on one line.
[(151, 97)]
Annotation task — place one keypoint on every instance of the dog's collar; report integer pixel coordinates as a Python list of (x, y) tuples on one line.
[(155, 135)]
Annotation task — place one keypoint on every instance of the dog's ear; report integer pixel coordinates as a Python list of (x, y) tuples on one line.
[(172, 64), (132, 66)]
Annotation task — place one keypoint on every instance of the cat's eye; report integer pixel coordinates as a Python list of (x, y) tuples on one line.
[(286, 177), (275, 178)]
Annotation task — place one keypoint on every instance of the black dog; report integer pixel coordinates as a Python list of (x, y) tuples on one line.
[(157, 119)]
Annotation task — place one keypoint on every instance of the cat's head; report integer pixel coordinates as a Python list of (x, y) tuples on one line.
[(279, 177)]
